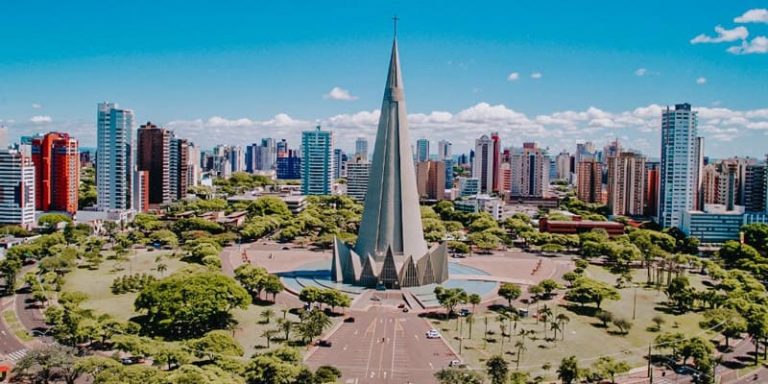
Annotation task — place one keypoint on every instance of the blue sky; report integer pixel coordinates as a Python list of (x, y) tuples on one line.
[(240, 70)]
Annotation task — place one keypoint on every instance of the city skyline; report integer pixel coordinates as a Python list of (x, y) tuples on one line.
[(522, 71)]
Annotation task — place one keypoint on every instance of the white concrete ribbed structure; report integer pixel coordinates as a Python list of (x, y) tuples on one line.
[(390, 248)]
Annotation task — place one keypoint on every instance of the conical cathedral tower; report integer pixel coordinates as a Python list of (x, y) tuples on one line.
[(390, 248)]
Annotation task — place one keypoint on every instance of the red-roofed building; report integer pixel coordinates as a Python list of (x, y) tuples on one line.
[(577, 225)]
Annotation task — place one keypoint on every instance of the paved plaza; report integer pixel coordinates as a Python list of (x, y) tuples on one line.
[(384, 345)]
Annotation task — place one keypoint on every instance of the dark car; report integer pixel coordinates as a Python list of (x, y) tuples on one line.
[(325, 343), (349, 320)]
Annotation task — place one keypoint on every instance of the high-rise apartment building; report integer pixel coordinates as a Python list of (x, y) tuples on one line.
[(194, 165), (317, 162), (17, 187), (358, 171), (444, 150), (681, 163), (361, 148), (178, 168), (430, 180), (237, 159), (652, 174), (626, 184), (289, 165), (114, 135), (496, 161), (57, 172), (589, 184), (422, 150), (529, 171), (756, 188), (563, 165), (339, 160), (449, 163), (153, 154), (482, 166), (141, 191)]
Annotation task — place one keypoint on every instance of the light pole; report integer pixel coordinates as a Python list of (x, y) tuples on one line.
[(634, 304)]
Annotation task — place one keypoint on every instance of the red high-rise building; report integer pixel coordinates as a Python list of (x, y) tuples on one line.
[(652, 190), (496, 161), (57, 172)]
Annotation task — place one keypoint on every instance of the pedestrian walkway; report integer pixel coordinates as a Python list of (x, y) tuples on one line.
[(15, 356)]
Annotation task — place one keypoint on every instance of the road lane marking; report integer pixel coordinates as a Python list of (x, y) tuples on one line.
[(370, 348), (394, 345)]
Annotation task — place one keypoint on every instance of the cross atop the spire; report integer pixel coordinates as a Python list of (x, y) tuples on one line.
[(394, 20)]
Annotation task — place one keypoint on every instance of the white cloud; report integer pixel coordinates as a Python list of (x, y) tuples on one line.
[(338, 93), (536, 75), (758, 45), (513, 76), (641, 72), (723, 35), (753, 16), (37, 106), (40, 119), (701, 80)]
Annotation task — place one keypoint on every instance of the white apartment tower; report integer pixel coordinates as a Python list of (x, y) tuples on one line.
[(114, 134), (681, 163)]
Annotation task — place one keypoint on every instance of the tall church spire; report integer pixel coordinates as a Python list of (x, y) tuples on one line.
[(392, 216)]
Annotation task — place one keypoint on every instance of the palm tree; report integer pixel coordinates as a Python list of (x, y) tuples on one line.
[(470, 319), (554, 327), (268, 334), (520, 345), (286, 325), (503, 329), (161, 268), (544, 314), (562, 319), (475, 299), (267, 315)]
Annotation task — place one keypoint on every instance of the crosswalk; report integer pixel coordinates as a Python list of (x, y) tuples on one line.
[(15, 355)]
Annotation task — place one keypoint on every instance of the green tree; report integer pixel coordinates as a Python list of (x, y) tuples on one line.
[(622, 324), (459, 376), (252, 278), (474, 299), (185, 304), (266, 315), (548, 286), (607, 366), (605, 317), (568, 371), (450, 298), (216, 344), (680, 292), (727, 321), (510, 291), (585, 290), (497, 369)]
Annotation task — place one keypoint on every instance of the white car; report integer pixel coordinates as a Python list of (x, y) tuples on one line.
[(433, 334), (454, 363)]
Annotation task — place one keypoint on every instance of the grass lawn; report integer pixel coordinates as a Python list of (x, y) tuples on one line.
[(96, 283), (9, 316), (585, 336)]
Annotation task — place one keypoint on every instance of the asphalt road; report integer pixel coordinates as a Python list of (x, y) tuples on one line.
[(10, 346), (384, 345)]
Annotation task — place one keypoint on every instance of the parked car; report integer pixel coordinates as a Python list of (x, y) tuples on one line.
[(433, 334), (405, 309), (465, 312), (454, 363), (325, 343), (349, 320)]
